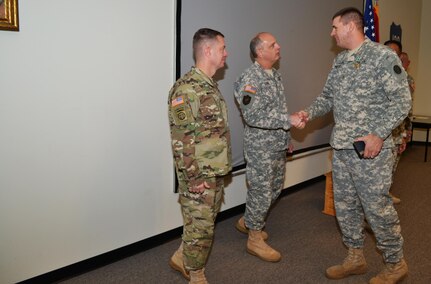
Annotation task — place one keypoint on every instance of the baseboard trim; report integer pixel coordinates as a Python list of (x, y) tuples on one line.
[(423, 143)]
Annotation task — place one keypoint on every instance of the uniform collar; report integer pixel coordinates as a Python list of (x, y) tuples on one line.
[(356, 54), (261, 70), (207, 79)]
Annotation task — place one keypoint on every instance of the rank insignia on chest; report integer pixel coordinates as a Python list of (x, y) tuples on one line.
[(357, 62), (250, 89)]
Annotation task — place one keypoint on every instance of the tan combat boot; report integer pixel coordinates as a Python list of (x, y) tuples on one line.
[(177, 263), (257, 246), (353, 264), (392, 273), (198, 277), (395, 200), (240, 226)]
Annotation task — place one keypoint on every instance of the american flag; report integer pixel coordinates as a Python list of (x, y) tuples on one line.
[(177, 101), (250, 89), (371, 20)]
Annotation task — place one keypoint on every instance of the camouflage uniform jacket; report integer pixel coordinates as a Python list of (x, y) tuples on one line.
[(199, 128), (262, 101), (368, 92)]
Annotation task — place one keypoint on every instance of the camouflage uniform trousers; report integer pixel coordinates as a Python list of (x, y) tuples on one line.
[(265, 178), (361, 189), (199, 213)]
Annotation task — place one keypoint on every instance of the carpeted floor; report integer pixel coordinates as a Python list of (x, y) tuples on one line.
[(308, 240)]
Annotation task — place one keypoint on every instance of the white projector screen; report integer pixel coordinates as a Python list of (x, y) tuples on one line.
[(302, 28)]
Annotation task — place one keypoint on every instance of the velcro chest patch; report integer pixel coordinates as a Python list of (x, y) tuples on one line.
[(249, 90)]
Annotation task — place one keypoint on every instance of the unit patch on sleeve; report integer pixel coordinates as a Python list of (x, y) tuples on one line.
[(397, 69), (246, 99), (181, 111)]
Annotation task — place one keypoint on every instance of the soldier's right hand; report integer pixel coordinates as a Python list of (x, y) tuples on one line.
[(299, 119), (200, 188)]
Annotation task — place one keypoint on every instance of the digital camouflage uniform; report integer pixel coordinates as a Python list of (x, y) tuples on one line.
[(368, 92), (202, 152), (262, 101)]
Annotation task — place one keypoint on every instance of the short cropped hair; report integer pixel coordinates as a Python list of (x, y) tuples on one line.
[(396, 42), (202, 35), (351, 14)]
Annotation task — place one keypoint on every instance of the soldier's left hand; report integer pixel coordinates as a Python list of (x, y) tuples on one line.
[(373, 145), (403, 146), (200, 188)]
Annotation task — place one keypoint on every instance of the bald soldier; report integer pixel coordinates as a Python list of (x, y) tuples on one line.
[(260, 95)]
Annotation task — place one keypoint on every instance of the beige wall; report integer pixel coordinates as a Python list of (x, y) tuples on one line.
[(422, 103), (85, 162), (408, 15)]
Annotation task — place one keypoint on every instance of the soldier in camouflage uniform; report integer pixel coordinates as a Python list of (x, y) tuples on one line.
[(202, 152), (404, 57), (401, 133), (259, 93), (368, 93)]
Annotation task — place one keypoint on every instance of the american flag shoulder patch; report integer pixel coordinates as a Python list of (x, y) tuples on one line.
[(250, 89), (177, 101)]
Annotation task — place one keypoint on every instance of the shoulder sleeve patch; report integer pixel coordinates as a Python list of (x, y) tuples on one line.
[(397, 69), (181, 111), (246, 99), (393, 65), (182, 115)]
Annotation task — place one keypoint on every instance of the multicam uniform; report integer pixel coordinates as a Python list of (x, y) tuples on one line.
[(260, 96), (368, 92), (202, 152), (400, 133)]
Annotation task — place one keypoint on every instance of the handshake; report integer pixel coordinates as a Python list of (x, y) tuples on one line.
[(299, 119)]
